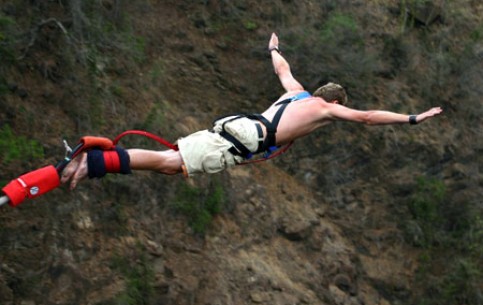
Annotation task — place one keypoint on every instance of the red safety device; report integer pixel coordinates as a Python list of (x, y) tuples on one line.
[(148, 135), (32, 185), (100, 142)]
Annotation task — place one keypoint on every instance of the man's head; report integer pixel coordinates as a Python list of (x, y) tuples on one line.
[(332, 93)]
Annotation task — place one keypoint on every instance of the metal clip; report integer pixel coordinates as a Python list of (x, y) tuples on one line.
[(68, 149)]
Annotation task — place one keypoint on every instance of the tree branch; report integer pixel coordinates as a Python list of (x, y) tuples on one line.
[(34, 33)]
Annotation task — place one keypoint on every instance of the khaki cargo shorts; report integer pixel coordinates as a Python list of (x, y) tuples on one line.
[(207, 152)]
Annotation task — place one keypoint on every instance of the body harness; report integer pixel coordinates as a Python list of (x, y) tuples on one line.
[(269, 145)]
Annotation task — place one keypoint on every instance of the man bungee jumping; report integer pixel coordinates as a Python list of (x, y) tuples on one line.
[(234, 139)]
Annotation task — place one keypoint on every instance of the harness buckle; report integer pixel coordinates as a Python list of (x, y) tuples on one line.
[(270, 151)]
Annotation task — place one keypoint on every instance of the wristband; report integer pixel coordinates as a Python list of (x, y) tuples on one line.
[(412, 119), (274, 49), (100, 162)]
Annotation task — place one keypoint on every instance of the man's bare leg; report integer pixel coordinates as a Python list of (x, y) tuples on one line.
[(167, 162)]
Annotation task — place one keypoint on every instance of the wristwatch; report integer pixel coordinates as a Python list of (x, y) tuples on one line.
[(412, 119), (275, 48)]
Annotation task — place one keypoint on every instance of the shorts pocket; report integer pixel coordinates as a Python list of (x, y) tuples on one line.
[(213, 162)]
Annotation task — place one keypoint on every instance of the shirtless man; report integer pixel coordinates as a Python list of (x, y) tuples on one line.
[(234, 139)]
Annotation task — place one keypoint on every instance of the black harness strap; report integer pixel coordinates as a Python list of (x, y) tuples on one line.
[(238, 148), (271, 139), (271, 127)]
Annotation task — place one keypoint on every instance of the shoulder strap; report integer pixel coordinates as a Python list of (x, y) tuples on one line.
[(270, 139), (285, 101), (301, 96)]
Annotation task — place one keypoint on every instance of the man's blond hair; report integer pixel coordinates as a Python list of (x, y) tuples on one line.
[(332, 92)]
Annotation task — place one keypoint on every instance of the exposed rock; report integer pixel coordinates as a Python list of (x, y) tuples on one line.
[(344, 283), (22, 93), (341, 298), (295, 230), (427, 12), (260, 297), (6, 294)]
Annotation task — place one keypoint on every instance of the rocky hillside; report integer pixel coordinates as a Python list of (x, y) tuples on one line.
[(350, 215)]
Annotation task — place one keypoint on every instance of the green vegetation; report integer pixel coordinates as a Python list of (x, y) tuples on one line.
[(157, 72), (477, 34), (139, 277), (6, 30), (451, 239), (341, 29), (341, 40), (106, 31), (154, 118), (199, 205), (99, 43), (250, 25), (435, 52), (14, 147), (3, 86), (425, 208), (7, 54)]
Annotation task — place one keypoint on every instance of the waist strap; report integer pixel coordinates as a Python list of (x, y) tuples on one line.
[(271, 126), (238, 147)]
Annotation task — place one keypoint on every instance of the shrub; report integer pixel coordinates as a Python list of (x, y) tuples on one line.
[(425, 208), (6, 33), (340, 52), (460, 285), (14, 147), (199, 205), (139, 277), (451, 237), (250, 25), (341, 29)]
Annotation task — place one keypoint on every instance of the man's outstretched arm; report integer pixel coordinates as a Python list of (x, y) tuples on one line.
[(281, 67), (378, 117)]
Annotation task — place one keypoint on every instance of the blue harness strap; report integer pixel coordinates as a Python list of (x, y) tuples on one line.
[(300, 96)]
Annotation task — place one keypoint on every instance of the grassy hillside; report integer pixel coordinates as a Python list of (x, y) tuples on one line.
[(350, 215)]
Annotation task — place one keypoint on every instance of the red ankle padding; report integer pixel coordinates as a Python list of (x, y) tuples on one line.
[(112, 162), (32, 185), (100, 162)]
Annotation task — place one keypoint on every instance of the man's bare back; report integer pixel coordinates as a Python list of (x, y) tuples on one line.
[(299, 118)]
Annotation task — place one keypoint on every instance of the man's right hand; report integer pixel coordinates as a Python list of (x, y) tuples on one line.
[(428, 114), (75, 171)]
